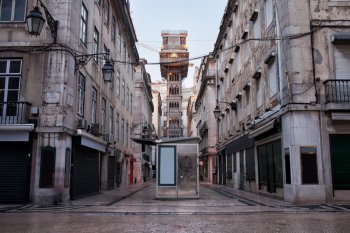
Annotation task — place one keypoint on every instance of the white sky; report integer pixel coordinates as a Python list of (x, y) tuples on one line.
[(201, 19)]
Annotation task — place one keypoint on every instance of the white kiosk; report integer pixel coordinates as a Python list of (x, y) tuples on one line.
[(177, 168)]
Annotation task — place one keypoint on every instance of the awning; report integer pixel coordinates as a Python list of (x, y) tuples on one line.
[(266, 127), (146, 141), (91, 141), (18, 133)]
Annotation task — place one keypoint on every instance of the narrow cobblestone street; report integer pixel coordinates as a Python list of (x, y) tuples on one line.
[(135, 209)]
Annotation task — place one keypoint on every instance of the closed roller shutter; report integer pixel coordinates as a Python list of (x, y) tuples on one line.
[(85, 172), (14, 172), (111, 172)]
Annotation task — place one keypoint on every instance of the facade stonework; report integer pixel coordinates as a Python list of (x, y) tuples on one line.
[(71, 127), (282, 84)]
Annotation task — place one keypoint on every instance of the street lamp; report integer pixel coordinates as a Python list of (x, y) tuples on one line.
[(107, 69), (35, 21), (217, 112)]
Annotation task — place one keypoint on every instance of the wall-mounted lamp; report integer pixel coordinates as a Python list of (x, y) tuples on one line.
[(217, 112), (35, 21), (107, 69)]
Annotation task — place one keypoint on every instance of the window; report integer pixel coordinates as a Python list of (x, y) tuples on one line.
[(272, 78), (81, 94), (131, 101), (12, 10), (95, 44), (47, 167), (117, 127), (83, 24), (127, 99), (342, 61), (10, 78), (259, 92), (268, 12), (93, 105), (113, 30), (118, 84), (122, 131), (120, 43), (127, 134), (103, 115), (106, 13), (123, 92), (111, 121), (256, 30)]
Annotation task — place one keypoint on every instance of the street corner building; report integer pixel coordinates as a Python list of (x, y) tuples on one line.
[(67, 92), (280, 71)]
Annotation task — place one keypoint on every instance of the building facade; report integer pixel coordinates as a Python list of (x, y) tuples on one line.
[(206, 124), (174, 67), (142, 124), (285, 67), (70, 128)]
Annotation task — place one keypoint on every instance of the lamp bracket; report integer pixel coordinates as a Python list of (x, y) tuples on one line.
[(53, 24), (83, 59)]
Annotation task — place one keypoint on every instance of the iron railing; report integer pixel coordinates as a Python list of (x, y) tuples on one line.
[(337, 91), (14, 112)]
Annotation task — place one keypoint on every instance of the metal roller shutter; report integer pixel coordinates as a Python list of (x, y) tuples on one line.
[(14, 172), (111, 172), (85, 172)]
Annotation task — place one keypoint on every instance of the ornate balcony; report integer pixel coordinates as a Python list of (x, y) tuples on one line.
[(337, 94), (14, 113)]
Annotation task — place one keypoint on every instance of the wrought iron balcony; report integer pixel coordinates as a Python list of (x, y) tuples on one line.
[(337, 91), (14, 113)]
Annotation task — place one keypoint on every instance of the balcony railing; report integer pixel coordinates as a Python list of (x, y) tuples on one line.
[(337, 91), (14, 112)]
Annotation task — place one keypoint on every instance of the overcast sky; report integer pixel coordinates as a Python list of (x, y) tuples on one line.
[(201, 18)]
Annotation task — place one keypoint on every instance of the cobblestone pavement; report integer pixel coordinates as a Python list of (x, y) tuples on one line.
[(135, 209)]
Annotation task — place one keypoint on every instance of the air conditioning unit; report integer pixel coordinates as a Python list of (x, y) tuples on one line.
[(95, 129), (81, 123)]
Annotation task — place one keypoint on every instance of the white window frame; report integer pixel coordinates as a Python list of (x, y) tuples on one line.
[(94, 105), (96, 44), (118, 84), (269, 15), (257, 30), (83, 23), (81, 94), (259, 92), (103, 114), (272, 78), (117, 127), (7, 76), (106, 13), (113, 30), (122, 131)]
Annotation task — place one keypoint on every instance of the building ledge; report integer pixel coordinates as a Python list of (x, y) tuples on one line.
[(17, 127), (345, 106)]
